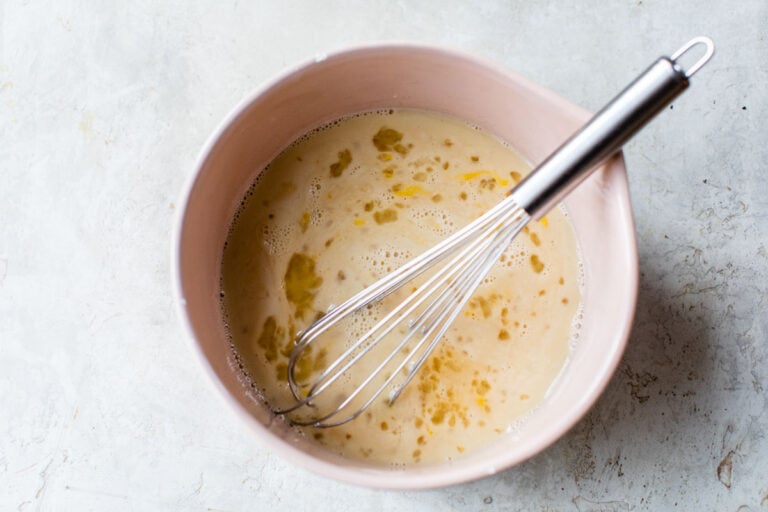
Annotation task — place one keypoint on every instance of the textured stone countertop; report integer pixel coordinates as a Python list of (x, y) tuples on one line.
[(103, 109)]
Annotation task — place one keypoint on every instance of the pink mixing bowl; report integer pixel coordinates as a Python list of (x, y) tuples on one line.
[(532, 119)]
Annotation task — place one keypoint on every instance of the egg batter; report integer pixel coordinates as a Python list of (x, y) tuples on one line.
[(352, 201)]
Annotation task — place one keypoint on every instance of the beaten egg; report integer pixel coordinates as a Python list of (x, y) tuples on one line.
[(348, 203)]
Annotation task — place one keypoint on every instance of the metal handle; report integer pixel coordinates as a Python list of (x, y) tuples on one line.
[(607, 131)]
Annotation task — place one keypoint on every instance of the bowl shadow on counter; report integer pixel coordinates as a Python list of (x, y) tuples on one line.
[(659, 391)]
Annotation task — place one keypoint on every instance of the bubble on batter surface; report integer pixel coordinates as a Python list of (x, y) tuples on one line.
[(277, 239), (576, 325), (436, 220)]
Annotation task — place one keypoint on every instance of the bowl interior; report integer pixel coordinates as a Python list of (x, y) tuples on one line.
[(531, 119)]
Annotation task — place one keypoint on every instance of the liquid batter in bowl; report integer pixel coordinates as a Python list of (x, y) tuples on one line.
[(350, 202)]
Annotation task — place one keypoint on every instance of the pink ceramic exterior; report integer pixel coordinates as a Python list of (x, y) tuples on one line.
[(532, 119)]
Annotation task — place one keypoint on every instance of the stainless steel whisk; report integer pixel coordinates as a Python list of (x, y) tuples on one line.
[(400, 343)]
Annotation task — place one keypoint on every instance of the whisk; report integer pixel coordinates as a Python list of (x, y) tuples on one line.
[(385, 359)]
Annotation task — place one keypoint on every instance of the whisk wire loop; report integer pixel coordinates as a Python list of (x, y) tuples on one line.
[(449, 288)]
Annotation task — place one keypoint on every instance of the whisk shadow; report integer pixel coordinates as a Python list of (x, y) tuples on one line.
[(647, 410)]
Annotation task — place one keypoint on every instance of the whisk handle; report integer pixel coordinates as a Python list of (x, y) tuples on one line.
[(607, 131)]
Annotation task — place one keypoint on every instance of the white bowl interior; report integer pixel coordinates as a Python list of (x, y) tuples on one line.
[(531, 119)]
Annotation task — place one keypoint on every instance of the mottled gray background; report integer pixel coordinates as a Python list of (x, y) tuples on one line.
[(103, 108)]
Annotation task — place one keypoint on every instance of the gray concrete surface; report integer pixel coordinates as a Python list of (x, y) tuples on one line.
[(103, 108)]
